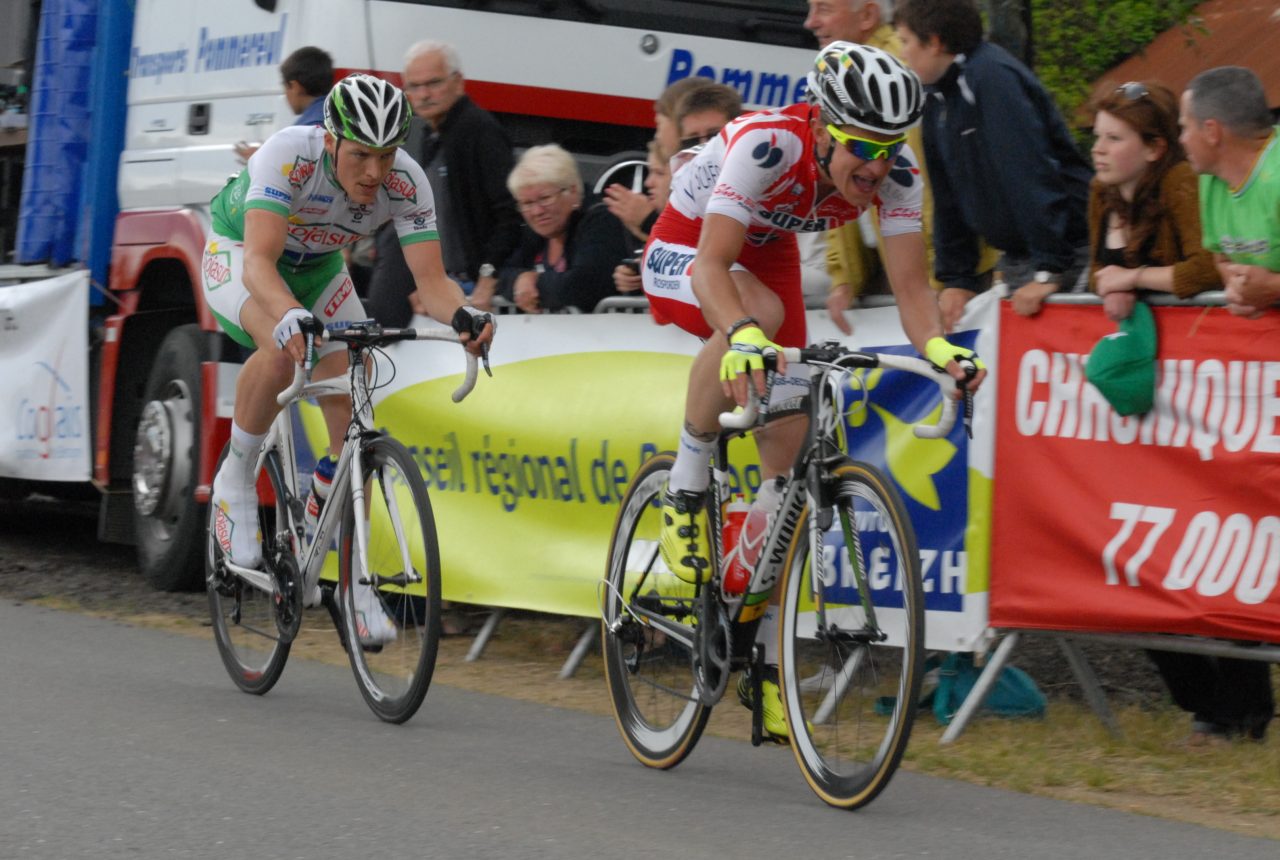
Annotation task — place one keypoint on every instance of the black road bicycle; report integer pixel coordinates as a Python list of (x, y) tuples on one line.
[(851, 625)]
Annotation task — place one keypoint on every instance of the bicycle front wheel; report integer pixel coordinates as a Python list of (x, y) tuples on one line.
[(390, 597), (244, 617), (852, 640), (650, 673)]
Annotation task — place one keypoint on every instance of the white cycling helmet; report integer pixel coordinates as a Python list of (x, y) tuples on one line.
[(865, 86), (367, 110)]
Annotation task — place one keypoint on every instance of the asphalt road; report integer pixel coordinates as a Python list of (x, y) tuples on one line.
[(120, 742)]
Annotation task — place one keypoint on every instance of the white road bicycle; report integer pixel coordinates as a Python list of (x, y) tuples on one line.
[(378, 511), (851, 629)]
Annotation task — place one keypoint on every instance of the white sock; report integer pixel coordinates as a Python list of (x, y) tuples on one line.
[(767, 635), (693, 456), (242, 454)]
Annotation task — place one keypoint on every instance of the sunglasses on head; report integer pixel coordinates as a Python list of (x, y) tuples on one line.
[(867, 150), (1133, 90)]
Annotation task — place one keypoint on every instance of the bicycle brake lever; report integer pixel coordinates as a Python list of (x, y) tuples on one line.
[(484, 359), (968, 413)]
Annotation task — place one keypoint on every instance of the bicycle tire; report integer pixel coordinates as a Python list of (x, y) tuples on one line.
[(650, 676), (850, 696), (244, 618), (393, 677)]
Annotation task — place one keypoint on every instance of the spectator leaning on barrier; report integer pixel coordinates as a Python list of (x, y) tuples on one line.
[(1144, 203), (1228, 134), (1144, 228), (657, 184), (566, 258), (308, 76), (850, 258), (1002, 163), (1229, 140), (666, 132), (466, 156), (698, 115)]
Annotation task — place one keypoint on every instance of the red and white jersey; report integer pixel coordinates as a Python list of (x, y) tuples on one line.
[(760, 170)]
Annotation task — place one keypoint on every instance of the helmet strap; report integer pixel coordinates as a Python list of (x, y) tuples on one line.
[(824, 162)]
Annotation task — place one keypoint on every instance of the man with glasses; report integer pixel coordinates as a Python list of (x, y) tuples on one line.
[(722, 263), (466, 156), (1002, 164)]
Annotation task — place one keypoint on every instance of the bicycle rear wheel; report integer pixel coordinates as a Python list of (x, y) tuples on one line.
[(399, 584), (852, 643), (650, 674), (244, 617)]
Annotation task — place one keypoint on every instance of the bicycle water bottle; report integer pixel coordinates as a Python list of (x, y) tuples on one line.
[(321, 481), (735, 514)]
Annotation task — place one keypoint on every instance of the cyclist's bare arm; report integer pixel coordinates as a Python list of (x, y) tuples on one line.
[(719, 245), (264, 240), (904, 263), (439, 294)]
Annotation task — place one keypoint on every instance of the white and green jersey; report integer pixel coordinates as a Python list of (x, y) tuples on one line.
[(1244, 225), (292, 176)]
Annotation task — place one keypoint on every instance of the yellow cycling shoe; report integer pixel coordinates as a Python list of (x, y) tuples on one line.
[(683, 541), (773, 719)]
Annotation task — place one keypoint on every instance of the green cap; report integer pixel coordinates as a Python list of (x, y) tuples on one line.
[(1123, 365)]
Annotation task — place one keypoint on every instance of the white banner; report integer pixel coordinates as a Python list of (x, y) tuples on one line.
[(44, 379)]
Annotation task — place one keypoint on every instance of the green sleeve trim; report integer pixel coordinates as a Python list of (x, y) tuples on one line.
[(415, 238), (271, 206)]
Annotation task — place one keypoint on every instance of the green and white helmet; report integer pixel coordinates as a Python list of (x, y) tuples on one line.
[(367, 110)]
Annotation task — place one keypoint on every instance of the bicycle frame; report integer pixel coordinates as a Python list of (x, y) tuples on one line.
[(348, 474), (821, 447)]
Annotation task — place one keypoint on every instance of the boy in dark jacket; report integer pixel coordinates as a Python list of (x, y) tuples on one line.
[(1004, 167)]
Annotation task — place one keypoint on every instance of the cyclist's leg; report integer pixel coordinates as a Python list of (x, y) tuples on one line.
[(264, 374), (333, 300), (683, 548)]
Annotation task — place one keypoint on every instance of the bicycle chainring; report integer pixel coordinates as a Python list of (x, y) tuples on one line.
[(712, 652), (289, 600)]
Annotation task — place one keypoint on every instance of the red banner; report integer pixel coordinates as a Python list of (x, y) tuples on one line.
[(1163, 523)]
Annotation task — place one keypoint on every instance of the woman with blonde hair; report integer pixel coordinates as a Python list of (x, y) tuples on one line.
[(566, 257)]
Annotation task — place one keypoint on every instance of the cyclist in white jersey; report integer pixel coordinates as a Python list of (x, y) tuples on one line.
[(722, 263), (273, 259)]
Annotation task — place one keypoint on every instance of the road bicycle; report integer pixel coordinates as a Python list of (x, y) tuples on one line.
[(387, 553), (851, 629)]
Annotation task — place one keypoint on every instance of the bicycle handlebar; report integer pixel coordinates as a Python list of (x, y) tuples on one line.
[(372, 336), (831, 353)]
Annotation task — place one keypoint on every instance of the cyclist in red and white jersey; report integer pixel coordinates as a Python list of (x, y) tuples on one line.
[(722, 263)]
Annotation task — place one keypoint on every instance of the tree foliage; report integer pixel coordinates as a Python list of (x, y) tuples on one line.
[(1077, 42)]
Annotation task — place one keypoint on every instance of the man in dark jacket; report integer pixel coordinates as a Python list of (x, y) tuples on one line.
[(1003, 165), (466, 156)]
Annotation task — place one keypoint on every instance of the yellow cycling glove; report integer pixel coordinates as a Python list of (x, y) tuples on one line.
[(746, 353), (939, 351)]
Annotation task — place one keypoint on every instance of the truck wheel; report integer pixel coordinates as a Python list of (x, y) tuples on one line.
[(169, 523)]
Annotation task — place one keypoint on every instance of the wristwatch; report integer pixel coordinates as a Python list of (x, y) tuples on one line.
[(487, 270), (1044, 276)]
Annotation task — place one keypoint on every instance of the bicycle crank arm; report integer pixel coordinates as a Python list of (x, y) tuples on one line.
[(260, 580)]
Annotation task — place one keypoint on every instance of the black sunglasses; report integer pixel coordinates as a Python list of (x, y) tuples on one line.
[(690, 142), (1133, 90)]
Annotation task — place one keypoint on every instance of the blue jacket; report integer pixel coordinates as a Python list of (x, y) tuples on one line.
[(1003, 167)]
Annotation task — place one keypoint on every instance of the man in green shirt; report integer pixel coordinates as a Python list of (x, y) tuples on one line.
[(1228, 134)]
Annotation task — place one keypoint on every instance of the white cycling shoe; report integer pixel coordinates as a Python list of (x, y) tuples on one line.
[(373, 625), (235, 521)]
